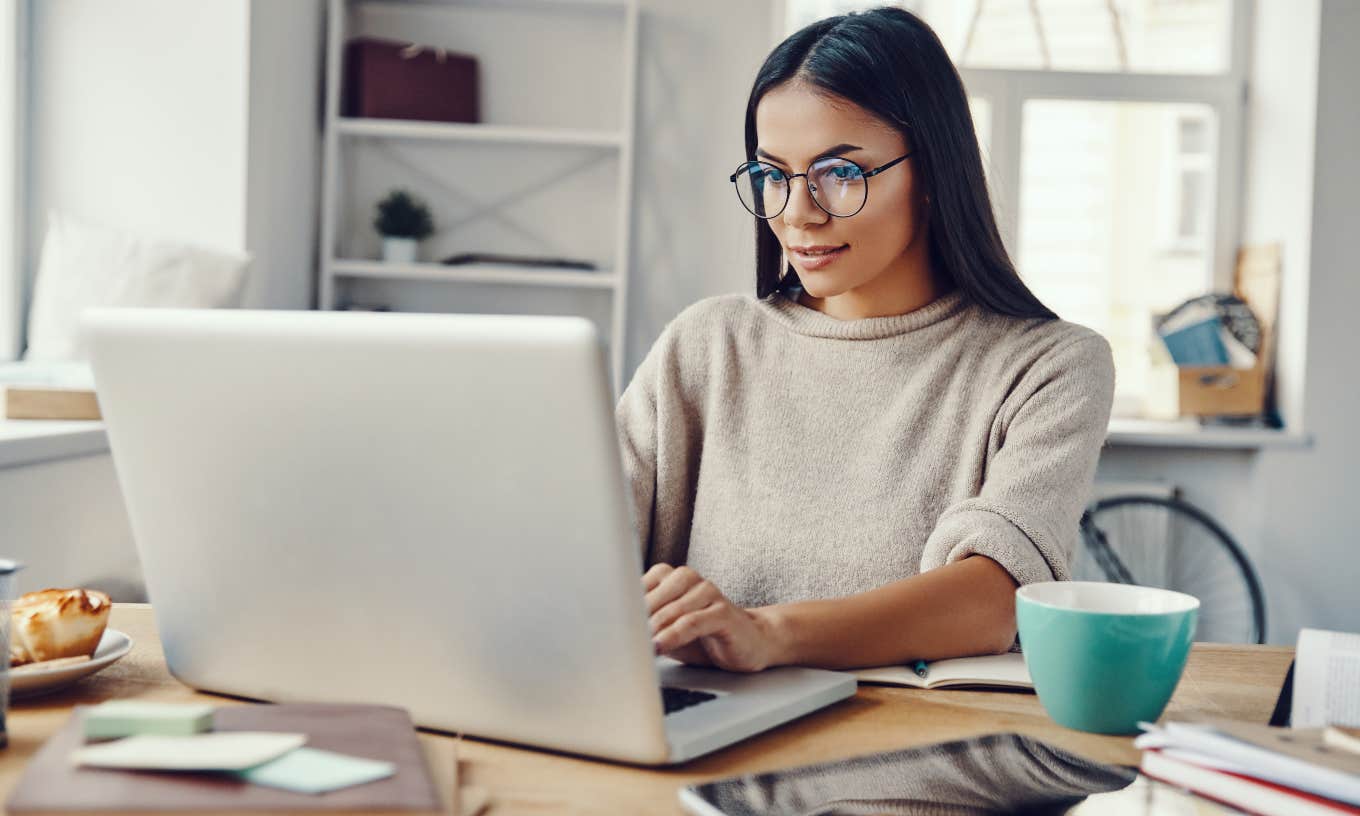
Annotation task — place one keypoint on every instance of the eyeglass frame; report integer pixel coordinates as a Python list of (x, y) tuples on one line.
[(812, 191)]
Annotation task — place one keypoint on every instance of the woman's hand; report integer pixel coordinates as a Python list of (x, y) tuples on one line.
[(692, 622)]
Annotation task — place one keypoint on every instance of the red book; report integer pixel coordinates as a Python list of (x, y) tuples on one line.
[(1243, 792)]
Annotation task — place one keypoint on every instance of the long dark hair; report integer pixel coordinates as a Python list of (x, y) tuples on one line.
[(890, 63)]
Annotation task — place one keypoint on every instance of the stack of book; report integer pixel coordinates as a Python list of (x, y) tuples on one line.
[(1257, 768), (1213, 330), (1312, 767)]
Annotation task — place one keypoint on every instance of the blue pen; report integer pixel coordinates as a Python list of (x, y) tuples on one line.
[(920, 668)]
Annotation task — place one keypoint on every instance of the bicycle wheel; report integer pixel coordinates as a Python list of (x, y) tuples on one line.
[(1169, 543)]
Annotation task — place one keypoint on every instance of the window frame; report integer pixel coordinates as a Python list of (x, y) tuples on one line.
[(1184, 164), (1007, 89)]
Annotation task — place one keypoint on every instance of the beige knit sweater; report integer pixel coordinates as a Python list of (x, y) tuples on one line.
[(786, 455)]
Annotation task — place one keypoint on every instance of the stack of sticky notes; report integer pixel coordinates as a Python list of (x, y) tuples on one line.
[(226, 751), (308, 770), (129, 718), (179, 737)]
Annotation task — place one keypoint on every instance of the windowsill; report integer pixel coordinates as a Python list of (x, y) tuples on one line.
[(1188, 433), (26, 442), (30, 441)]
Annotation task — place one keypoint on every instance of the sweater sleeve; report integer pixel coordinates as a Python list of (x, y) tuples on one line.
[(660, 424), (1038, 479), (635, 419)]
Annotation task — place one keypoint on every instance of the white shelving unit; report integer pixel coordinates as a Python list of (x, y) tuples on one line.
[(461, 141), (502, 134), (473, 273)]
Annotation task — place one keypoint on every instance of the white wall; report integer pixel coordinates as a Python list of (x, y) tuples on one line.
[(691, 238), (283, 152), (1281, 127), (1293, 508), (196, 122), (1308, 521), (138, 117)]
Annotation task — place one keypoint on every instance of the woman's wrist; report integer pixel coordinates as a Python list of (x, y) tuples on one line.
[(774, 624)]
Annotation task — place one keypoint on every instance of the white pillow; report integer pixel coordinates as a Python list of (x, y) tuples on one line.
[(85, 266)]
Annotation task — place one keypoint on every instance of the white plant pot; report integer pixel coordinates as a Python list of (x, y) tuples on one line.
[(399, 250)]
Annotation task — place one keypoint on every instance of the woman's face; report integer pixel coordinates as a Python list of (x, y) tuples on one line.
[(872, 257)]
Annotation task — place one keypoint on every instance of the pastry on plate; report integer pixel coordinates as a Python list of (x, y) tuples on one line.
[(57, 623)]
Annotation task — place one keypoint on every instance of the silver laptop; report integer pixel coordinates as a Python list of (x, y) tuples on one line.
[(426, 511)]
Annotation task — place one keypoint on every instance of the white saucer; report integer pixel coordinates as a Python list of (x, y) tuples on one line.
[(35, 680)]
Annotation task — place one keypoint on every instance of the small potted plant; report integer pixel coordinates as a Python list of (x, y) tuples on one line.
[(403, 221)]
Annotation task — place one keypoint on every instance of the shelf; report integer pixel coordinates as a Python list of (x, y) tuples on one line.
[(536, 35), (29, 441), (1189, 433), (475, 273), (490, 134)]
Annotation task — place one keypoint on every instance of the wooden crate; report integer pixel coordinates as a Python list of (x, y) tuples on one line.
[(1225, 391)]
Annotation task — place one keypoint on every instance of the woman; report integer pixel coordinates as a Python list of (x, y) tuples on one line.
[(859, 465)]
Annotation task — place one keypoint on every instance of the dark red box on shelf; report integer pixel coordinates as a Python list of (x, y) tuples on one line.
[(387, 79)]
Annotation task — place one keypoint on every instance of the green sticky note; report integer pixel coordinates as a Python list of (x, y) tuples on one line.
[(309, 770), (129, 718)]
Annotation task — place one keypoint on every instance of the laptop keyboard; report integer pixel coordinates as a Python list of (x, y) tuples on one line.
[(675, 699)]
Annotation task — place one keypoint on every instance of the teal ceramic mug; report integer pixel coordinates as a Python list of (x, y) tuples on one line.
[(1104, 657)]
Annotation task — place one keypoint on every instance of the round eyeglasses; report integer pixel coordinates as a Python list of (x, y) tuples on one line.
[(838, 186)]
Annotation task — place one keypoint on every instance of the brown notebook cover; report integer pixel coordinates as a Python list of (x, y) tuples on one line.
[(51, 784)]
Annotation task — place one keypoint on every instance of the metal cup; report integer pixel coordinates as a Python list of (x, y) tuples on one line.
[(7, 570)]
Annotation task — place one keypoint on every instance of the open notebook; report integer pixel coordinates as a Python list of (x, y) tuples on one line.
[(991, 671), (1326, 668)]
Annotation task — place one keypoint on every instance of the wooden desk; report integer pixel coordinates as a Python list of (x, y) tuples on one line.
[(1229, 681)]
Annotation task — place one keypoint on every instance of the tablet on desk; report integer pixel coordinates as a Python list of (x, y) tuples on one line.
[(997, 773)]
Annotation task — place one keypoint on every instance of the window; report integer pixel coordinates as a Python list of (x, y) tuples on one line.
[(10, 97), (1186, 197), (1104, 125)]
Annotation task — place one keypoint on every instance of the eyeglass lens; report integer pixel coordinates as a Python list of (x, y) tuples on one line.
[(837, 185)]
